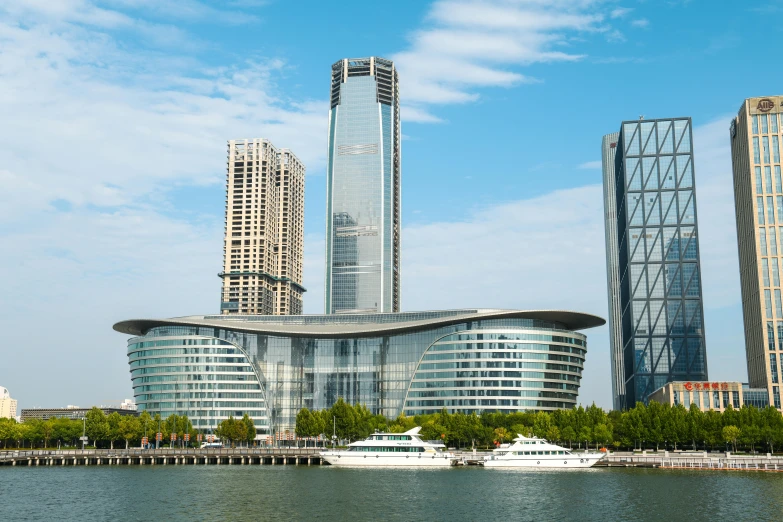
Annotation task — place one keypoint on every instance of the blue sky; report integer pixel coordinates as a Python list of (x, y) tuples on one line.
[(116, 113)]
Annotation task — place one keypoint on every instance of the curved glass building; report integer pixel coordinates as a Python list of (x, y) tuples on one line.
[(210, 367)]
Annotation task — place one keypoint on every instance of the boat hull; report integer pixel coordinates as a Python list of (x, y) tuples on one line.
[(545, 461), (365, 459)]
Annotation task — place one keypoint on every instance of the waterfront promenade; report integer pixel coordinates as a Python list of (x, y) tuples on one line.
[(694, 460), (310, 456), (165, 456)]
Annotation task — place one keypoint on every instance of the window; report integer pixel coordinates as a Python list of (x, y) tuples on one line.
[(768, 303), (756, 155), (771, 208), (735, 399), (773, 241), (725, 399), (773, 119), (775, 272), (778, 304), (759, 209), (759, 186), (780, 335), (755, 119), (763, 240), (768, 178), (765, 141), (776, 397), (764, 128), (773, 367), (775, 150), (770, 336), (765, 271), (778, 183)]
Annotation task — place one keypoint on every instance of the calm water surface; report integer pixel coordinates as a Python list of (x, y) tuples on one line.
[(196, 493)]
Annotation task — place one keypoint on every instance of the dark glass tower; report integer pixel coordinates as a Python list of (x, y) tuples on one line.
[(363, 188), (660, 310)]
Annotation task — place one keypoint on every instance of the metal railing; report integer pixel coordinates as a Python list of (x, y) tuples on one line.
[(277, 452)]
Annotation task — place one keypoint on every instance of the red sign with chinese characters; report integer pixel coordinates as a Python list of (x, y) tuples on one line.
[(706, 386)]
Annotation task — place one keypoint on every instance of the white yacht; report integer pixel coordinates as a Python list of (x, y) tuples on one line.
[(392, 449), (538, 453)]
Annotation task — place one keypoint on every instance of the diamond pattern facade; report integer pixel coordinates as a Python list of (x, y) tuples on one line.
[(659, 270)]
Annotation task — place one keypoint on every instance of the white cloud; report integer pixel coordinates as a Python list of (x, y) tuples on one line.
[(468, 44), (620, 12), (641, 22), (615, 36), (104, 131), (85, 120), (591, 165), (414, 114), (314, 273)]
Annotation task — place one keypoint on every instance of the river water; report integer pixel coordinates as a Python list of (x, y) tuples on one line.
[(196, 493)]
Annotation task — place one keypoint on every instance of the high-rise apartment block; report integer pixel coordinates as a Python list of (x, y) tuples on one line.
[(363, 188), (7, 405), (756, 137), (655, 302), (264, 231)]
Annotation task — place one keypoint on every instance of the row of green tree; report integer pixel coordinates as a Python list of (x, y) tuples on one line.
[(102, 430), (656, 426), (237, 431)]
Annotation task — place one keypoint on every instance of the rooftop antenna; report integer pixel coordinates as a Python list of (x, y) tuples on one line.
[(641, 116)]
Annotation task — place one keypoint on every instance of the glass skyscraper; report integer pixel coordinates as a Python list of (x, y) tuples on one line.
[(363, 188), (659, 309), (608, 150)]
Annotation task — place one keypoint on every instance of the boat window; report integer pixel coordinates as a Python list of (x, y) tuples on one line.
[(387, 449)]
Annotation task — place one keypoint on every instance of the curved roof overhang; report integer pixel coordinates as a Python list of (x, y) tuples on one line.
[(570, 320)]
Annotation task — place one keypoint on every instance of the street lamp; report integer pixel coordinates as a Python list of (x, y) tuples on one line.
[(83, 438)]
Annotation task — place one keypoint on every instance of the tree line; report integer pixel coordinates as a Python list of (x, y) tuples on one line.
[(103, 431), (658, 426)]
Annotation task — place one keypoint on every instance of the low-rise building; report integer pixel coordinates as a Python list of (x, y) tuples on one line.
[(7, 404), (71, 412), (128, 404), (270, 367), (711, 395)]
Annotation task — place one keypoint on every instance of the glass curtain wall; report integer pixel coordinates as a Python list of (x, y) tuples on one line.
[(511, 363), (659, 269), (363, 171)]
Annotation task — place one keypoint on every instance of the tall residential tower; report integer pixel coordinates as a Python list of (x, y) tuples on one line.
[(264, 230), (756, 136), (363, 188), (655, 264), (7, 405)]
